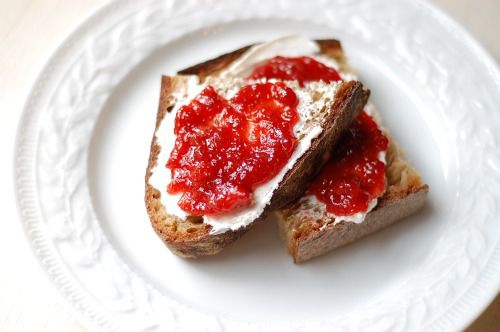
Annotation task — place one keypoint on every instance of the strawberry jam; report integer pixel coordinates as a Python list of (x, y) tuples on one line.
[(225, 148), (303, 69), (354, 175)]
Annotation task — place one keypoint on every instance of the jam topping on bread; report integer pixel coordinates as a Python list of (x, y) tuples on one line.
[(225, 148), (354, 176), (303, 69)]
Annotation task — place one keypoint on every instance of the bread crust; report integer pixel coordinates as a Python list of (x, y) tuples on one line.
[(190, 238), (329, 47)]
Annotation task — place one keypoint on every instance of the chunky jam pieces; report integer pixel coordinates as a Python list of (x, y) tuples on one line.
[(303, 69), (354, 176), (225, 148)]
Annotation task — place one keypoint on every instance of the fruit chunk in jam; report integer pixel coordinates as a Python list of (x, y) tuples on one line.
[(354, 175), (225, 148), (303, 69)]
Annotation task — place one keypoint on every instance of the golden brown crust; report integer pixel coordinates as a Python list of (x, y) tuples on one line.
[(187, 238), (213, 66)]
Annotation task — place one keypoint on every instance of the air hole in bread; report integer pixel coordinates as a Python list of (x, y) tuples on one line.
[(195, 219)]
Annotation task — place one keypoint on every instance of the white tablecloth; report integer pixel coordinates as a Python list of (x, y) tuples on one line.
[(29, 32)]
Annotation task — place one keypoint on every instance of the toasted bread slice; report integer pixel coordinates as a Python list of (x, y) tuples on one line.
[(308, 231), (191, 236)]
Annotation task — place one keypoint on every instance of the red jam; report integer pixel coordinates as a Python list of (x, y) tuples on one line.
[(354, 175), (303, 69), (225, 148)]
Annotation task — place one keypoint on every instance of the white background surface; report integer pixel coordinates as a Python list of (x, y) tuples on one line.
[(29, 32)]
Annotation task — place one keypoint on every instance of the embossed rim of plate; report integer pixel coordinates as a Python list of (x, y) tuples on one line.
[(467, 306)]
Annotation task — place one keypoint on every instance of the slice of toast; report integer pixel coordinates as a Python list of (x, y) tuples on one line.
[(309, 231), (190, 236)]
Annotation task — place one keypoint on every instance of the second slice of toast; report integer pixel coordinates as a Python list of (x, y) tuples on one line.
[(308, 230)]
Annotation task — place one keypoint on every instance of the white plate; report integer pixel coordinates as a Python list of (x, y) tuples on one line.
[(84, 141)]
